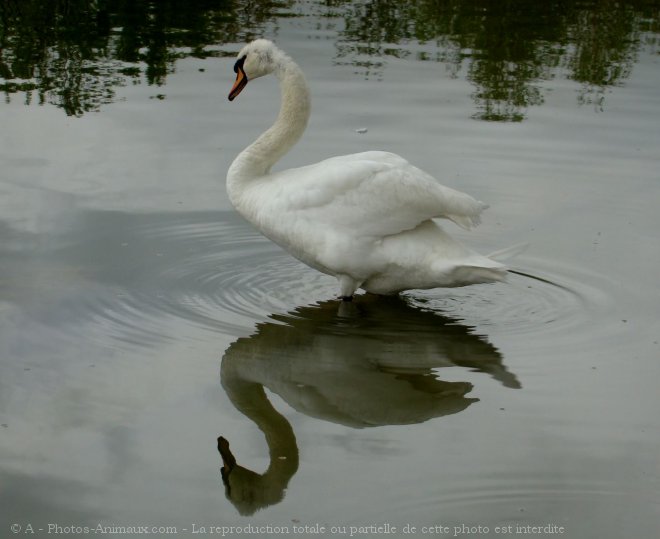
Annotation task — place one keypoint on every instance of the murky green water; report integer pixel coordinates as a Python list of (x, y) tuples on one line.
[(141, 318)]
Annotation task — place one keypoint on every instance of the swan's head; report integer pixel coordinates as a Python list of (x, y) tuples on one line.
[(256, 59)]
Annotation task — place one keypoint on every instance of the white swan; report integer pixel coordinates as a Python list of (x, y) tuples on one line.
[(365, 218)]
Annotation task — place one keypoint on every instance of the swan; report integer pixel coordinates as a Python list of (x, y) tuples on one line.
[(367, 219)]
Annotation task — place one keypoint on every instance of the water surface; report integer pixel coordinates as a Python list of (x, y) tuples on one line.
[(141, 318)]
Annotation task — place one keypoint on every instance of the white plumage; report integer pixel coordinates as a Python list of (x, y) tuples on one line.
[(365, 218)]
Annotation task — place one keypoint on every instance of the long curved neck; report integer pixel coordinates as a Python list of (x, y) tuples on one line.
[(258, 158)]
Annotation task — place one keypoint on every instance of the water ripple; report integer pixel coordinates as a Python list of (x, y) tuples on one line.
[(213, 271), (218, 275), (541, 298)]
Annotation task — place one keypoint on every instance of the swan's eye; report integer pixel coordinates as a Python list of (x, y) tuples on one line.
[(239, 63)]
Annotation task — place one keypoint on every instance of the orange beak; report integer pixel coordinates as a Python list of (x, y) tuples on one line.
[(239, 84)]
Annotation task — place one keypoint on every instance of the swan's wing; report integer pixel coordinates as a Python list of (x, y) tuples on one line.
[(375, 193)]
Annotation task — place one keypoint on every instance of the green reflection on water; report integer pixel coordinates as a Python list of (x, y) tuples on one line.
[(505, 48), (74, 53)]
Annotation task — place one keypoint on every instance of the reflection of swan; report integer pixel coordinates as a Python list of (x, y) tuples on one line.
[(247, 490), (368, 366), (365, 218)]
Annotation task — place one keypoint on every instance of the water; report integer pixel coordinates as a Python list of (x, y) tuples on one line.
[(141, 318)]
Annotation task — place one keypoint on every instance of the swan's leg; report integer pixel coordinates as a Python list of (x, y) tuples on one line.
[(347, 287)]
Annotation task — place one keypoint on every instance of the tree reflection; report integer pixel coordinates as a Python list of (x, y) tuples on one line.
[(606, 41), (507, 48), (75, 53)]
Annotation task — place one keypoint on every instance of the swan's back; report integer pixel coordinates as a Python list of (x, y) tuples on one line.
[(370, 193)]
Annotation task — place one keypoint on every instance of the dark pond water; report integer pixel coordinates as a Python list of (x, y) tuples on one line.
[(141, 318)]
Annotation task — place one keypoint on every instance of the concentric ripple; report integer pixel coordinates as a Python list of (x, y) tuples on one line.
[(207, 270), (540, 297), (211, 270), (525, 301)]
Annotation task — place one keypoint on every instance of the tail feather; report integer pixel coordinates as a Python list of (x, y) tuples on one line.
[(471, 215)]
